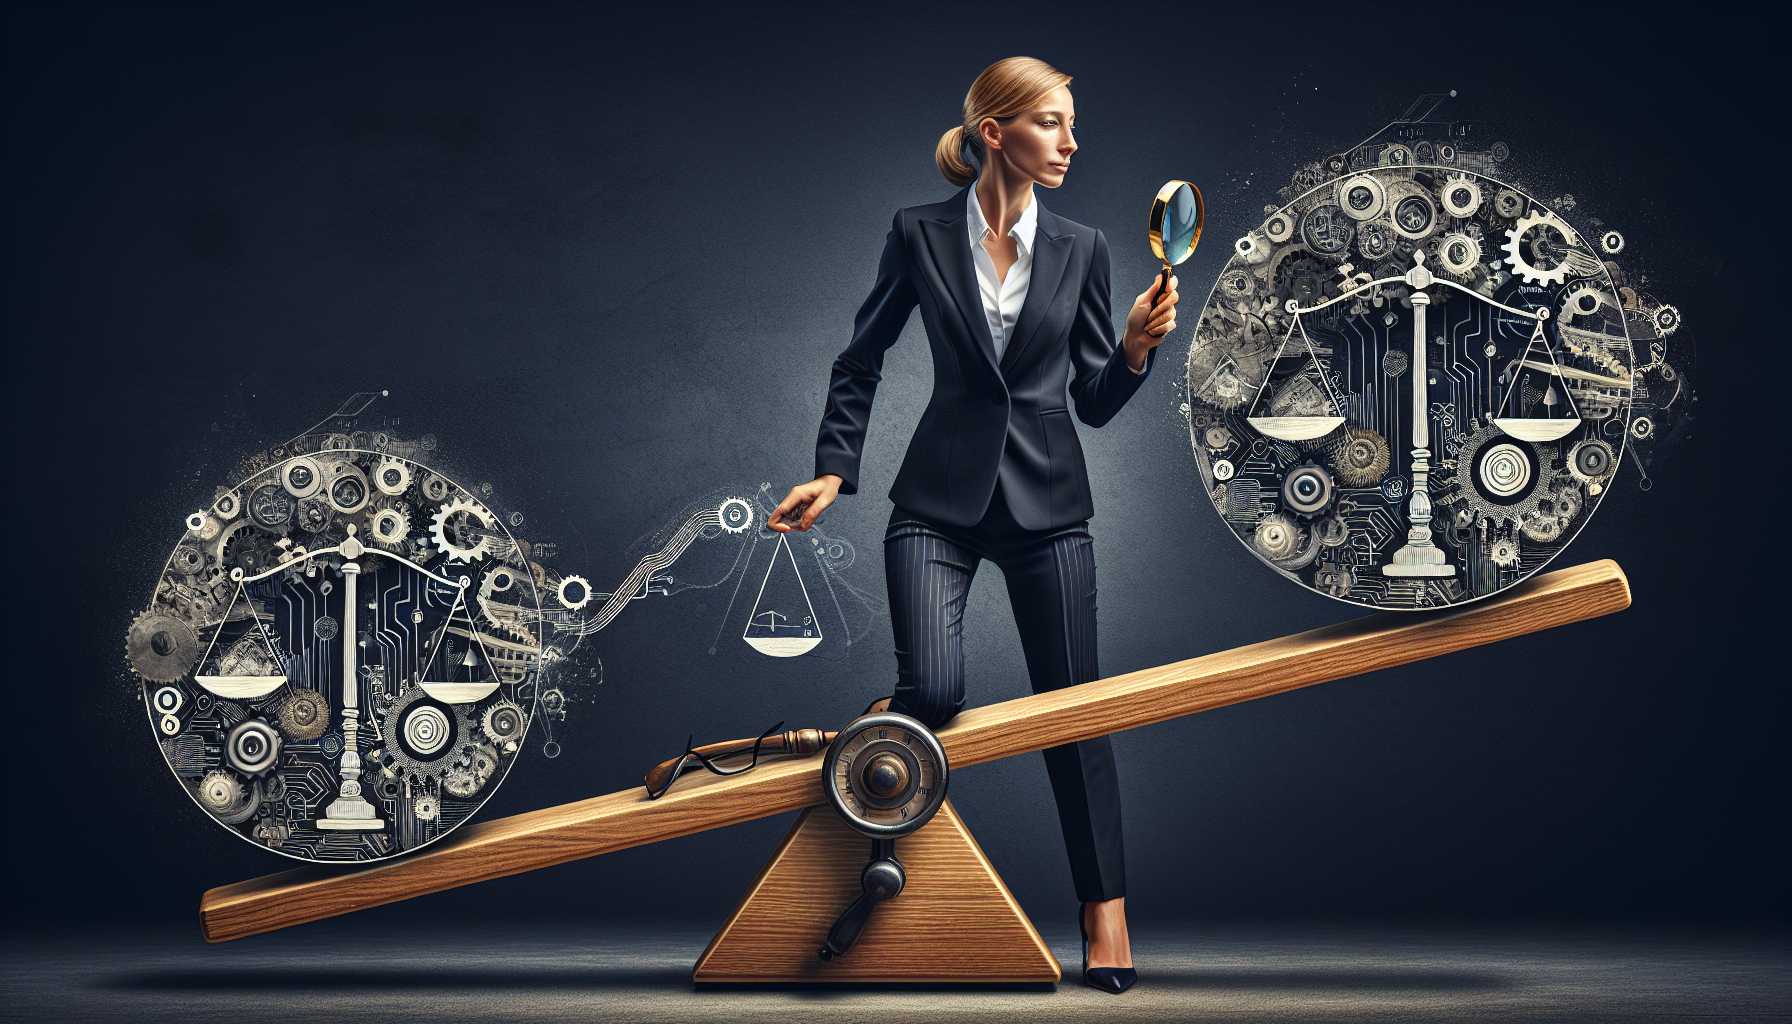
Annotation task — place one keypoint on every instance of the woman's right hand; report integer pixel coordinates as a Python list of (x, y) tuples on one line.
[(804, 504)]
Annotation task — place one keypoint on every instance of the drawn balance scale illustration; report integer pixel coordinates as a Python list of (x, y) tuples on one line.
[(1420, 557), (782, 634), (351, 811)]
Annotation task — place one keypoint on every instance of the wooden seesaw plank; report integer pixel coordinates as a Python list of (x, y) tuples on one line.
[(603, 824)]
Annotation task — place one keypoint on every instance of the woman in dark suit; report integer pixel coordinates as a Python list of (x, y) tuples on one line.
[(1015, 300)]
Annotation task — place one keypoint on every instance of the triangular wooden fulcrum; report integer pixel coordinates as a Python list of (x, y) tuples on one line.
[(954, 921)]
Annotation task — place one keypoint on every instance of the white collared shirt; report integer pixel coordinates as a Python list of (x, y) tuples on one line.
[(1002, 299)]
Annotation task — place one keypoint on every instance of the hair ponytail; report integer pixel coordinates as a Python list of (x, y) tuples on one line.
[(949, 155), (1008, 87)]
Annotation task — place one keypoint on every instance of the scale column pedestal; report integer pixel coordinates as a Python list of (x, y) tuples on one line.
[(350, 811), (1419, 557)]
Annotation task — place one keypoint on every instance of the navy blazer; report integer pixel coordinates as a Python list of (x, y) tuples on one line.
[(986, 418)]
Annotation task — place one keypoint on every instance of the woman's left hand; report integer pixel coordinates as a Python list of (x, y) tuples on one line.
[(1150, 321)]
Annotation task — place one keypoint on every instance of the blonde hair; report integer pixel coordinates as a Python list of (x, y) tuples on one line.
[(1008, 87)]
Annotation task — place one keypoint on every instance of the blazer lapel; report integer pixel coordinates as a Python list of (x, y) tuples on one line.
[(1051, 250), (949, 240)]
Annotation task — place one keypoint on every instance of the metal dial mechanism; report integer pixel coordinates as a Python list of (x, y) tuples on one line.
[(886, 774)]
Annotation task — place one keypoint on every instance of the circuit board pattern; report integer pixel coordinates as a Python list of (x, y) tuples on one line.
[(246, 651), (1312, 431)]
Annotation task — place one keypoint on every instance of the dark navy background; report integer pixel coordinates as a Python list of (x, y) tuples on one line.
[(607, 259)]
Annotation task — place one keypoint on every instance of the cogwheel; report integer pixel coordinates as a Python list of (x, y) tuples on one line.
[(161, 647), (187, 560), (462, 529), (252, 747), (1503, 552), (1461, 195), (347, 490), (226, 797), (392, 476), (1458, 254), (1277, 537), (1531, 232), (1543, 529), (1667, 320), (426, 807), (315, 514), (423, 737), (1584, 300), (1362, 458), (504, 722), (1307, 490), (1611, 243), (1591, 461), (734, 515), (389, 525), (302, 476), (304, 715), (1278, 227), (1362, 197), (227, 505), (1238, 286), (573, 593), (1509, 203), (1501, 479), (1216, 437)]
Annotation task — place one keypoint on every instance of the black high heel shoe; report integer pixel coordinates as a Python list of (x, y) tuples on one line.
[(1112, 980)]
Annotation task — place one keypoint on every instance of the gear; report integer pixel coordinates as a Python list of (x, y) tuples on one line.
[(161, 647), (1510, 203), (304, 715), (348, 491), (461, 782), (1325, 230), (1461, 195), (1278, 227), (1503, 552), (1362, 458), (389, 525), (1412, 210), (426, 807), (302, 476), (252, 747), (1667, 320), (424, 737), (226, 797), (1611, 243), (1530, 235), (227, 505), (573, 593), (1500, 479), (1277, 537), (1216, 437), (435, 487), (1376, 240), (735, 515), (392, 476), (462, 529), (1307, 490), (1583, 300), (1363, 197), (504, 722), (1544, 529), (271, 508), (186, 560), (1458, 254), (1591, 461), (315, 514)]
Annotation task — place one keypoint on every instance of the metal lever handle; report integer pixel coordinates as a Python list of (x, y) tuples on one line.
[(882, 879)]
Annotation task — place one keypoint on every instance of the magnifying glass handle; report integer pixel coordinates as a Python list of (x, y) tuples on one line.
[(1163, 285)]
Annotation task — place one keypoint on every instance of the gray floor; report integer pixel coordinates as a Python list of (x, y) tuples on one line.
[(1220, 974)]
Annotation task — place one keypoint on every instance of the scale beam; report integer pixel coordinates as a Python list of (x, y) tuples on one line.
[(604, 824)]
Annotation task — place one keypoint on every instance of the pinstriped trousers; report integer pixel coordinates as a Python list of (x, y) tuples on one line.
[(1051, 585)]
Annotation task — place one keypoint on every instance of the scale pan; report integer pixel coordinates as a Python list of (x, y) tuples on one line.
[(461, 693), (783, 646), (240, 687), (1295, 428), (1526, 428)]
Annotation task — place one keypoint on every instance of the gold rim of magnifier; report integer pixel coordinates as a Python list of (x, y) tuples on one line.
[(1161, 204)]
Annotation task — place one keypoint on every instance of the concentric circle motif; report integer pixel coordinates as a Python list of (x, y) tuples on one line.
[(1305, 359), (314, 618)]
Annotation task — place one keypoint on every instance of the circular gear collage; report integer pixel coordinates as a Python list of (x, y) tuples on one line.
[(1334, 459), (342, 656)]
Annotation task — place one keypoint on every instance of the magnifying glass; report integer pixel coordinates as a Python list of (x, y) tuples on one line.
[(1176, 218)]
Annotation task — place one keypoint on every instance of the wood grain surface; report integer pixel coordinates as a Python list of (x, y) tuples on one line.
[(603, 824), (953, 922)]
